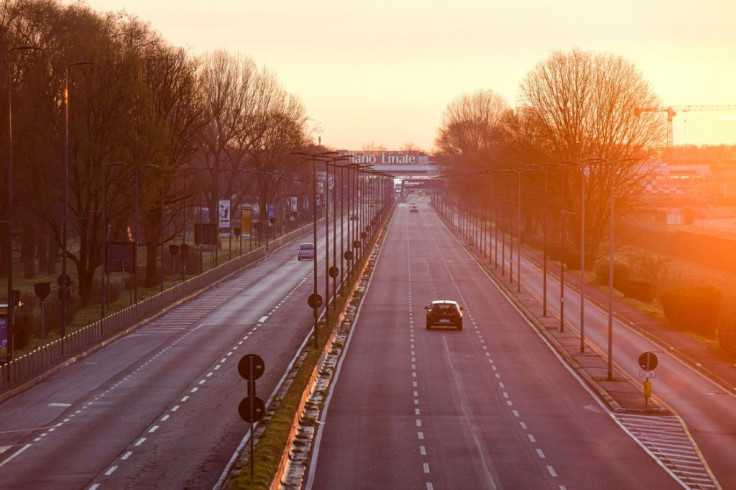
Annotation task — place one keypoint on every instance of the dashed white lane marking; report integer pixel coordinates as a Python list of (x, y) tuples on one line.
[(501, 386), (111, 470), (414, 383)]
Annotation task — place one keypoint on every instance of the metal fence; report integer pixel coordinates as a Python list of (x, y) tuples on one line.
[(63, 350)]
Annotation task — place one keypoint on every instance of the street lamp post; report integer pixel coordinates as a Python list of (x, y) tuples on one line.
[(334, 166), (584, 173), (104, 235), (11, 295), (342, 224), (518, 223), (610, 281), (544, 248), (583, 176), (65, 281), (313, 299), (562, 250), (327, 242)]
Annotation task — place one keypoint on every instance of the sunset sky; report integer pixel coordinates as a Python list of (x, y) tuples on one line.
[(383, 71)]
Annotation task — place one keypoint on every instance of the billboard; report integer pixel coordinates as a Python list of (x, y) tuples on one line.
[(246, 215), (389, 158), (223, 212), (4, 331)]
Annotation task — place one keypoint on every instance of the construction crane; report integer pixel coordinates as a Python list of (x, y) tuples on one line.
[(673, 110)]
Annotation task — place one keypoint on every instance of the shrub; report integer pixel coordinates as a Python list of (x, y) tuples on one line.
[(640, 289), (572, 259), (727, 331), (620, 273), (554, 252), (694, 308)]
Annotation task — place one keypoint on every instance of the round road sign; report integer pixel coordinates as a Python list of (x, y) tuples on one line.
[(314, 300), (251, 367), (648, 361), (251, 409)]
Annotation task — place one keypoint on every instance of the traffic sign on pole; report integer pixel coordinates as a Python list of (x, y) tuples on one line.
[(648, 361), (251, 367), (251, 409), (314, 300)]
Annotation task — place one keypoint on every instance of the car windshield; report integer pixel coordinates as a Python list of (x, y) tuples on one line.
[(444, 307), (306, 246)]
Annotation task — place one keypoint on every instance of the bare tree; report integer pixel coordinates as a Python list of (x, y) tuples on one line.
[(578, 109), (372, 146), (470, 133), (411, 147), (231, 88), (251, 126), (169, 119)]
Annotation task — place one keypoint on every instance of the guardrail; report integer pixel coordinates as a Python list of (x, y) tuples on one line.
[(40, 359)]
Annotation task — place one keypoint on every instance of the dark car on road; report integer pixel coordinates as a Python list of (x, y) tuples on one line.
[(444, 312)]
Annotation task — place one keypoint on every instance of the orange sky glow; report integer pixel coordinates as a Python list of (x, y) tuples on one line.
[(383, 71)]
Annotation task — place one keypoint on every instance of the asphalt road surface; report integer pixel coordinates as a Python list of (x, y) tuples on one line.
[(490, 406), (158, 408)]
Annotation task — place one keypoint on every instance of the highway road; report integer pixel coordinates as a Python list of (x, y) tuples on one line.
[(491, 406), (158, 407)]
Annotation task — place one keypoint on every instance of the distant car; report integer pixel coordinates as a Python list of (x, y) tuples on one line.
[(444, 312), (306, 252), (353, 217), (413, 208)]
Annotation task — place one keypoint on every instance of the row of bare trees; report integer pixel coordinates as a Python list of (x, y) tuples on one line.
[(139, 111), (576, 119)]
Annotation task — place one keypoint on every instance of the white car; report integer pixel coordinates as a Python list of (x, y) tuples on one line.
[(306, 252)]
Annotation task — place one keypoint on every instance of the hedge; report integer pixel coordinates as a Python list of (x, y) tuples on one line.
[(694, 308), (727, 331), (637, 288)]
